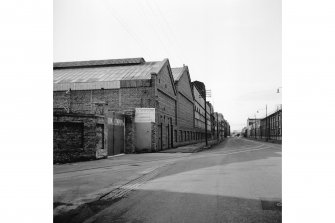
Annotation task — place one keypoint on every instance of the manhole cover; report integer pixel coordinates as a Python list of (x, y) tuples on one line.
[(271, 205)]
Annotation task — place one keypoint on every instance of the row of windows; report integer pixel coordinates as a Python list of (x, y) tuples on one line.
[(202, 111), (185, 136)]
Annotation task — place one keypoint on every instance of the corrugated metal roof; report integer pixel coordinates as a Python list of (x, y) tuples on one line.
[(90, 63), (177, 72), (102, 77)]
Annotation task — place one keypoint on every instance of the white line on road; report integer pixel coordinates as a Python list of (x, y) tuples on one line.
[(247, 150), (239, 151)]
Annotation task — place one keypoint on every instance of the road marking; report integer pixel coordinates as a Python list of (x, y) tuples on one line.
[(121, 154), (247, 150), (234, 152)]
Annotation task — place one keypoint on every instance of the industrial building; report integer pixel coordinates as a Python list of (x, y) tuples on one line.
[(107, 107)]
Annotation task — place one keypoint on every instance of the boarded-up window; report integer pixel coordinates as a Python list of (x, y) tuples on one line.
[(68, 135)]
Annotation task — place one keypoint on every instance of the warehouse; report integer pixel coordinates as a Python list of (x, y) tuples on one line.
[(185, 133), (136, 96)]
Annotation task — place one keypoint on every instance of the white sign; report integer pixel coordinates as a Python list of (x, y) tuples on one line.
[(144, 115), (116, 121)]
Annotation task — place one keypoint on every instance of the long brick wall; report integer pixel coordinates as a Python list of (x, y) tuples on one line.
[(177, 121), (165, 109), (101, 101)]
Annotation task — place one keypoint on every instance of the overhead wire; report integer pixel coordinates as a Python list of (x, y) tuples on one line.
[(152, 25), (127, 29), (156, 16), (176, 40)]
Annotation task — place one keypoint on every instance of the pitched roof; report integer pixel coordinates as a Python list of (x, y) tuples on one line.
[(100, 74), (177, 72), (91, 63)]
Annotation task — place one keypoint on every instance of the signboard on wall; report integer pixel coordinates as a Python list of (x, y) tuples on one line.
[(144, 115), (116, 121)]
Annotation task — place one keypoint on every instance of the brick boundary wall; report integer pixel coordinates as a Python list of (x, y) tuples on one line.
[(92, 145), (130, 131)]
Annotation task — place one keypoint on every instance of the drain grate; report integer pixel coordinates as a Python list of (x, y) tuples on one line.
[(271, 205)]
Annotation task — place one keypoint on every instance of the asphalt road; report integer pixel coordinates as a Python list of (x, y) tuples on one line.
[(236, 181)]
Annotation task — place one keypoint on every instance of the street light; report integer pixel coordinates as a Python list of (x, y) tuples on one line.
[(278, 91), (256, 124)]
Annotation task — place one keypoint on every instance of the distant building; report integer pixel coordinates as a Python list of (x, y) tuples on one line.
[(267, 128), (252, 121), (210, 120), (271, 126), (199, 112), (226, 128)]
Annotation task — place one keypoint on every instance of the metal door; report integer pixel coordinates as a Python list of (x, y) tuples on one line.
[(115, 139)]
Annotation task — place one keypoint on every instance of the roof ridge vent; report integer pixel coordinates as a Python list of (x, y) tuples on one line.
[(99, 63)]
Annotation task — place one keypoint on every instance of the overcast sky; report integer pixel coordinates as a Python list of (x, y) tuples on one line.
[(233, 46)]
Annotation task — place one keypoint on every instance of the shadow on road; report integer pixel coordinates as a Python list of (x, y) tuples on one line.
[(216, 157), (162, 206), (171, 206)]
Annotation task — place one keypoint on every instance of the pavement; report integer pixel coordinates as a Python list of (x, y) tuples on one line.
[(193, 148), (238, 180), (76, 184)]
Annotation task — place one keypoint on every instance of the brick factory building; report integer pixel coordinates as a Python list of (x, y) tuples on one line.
[(185, 107), (219, 126), (132, 93), (108, 107), (199, 113)]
